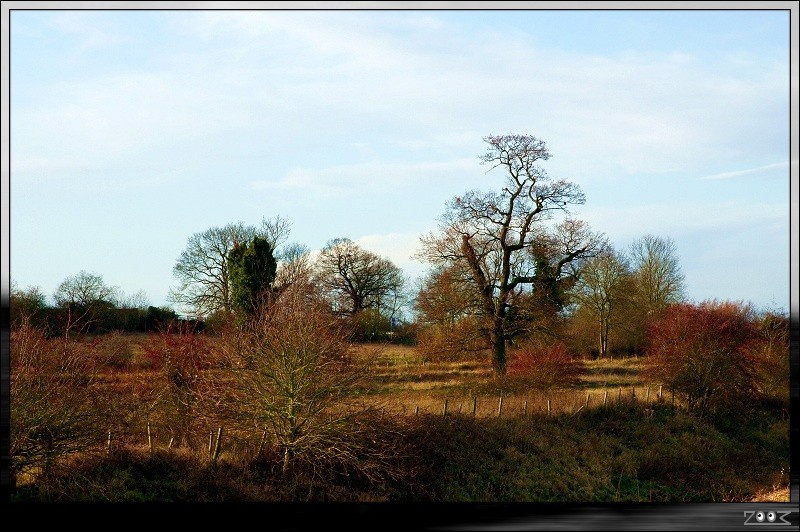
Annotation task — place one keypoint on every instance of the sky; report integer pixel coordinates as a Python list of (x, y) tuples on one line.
[(131, 130)]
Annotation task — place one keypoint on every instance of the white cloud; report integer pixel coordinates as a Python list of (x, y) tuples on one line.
[(275, 79), (750, 171)]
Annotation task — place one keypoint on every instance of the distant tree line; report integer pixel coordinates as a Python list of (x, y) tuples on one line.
[(84, 303)]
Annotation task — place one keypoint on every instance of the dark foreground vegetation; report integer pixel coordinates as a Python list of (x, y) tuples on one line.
[(606, 454)]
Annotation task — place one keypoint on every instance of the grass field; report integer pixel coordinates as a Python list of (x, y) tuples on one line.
[(611, 436), (407, 383)]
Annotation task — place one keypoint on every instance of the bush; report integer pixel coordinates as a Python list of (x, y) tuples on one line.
[(773, 357), (706, 352), (290, 371), (181, 356), (114, 351), (370, 326), (51, 398), (452, 342), (545, 367)]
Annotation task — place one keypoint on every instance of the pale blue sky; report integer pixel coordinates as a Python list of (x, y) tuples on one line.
[(131, 130)]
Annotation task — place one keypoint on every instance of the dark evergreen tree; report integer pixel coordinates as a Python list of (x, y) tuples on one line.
[(252, 268)]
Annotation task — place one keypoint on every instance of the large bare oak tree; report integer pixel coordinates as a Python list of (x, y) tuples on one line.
[(500, 239)]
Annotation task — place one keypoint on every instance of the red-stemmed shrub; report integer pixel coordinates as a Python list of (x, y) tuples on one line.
[(706, 352), (773, 356), (545, 367), (181, 356)]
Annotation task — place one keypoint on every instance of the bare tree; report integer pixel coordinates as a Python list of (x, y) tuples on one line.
[(294, 265), (357, 279), (83, 290), (83, 298), (202, 268), (290, 371), (446, 309), (601, 289), (660, 281), (492, 234), (137, 300)]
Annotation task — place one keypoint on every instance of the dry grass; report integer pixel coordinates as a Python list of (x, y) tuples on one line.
[(407, 383), (775, 495)]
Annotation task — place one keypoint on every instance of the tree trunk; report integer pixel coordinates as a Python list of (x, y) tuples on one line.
[(603, 337), (603, 345), (286, 459), (498, 348)]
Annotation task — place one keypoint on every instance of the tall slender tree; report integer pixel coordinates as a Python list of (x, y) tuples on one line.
[(602, 289), (659, 279)]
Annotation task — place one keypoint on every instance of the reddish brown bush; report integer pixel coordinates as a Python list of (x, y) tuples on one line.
[(706, 352), (52, 403), (181, 356), (545, 367)]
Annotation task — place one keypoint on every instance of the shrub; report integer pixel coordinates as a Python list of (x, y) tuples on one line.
[(706, 352), (52, 411), (772, 353), (290, 372), (451, 342), (545, 367), (114, 351), (369, 325), (181, 356)]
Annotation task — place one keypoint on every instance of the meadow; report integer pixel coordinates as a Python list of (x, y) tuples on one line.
[(454, 432)]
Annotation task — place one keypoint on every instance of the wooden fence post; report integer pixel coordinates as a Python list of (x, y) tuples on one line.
[(474, 405), (500, 407), (416, 410), (525, 409), (210, 442), (548, 407), (587, 400), (659, 393), (218, 446), (605, 397), (108, 445), (647, 396), (445, 407), (149, 438)]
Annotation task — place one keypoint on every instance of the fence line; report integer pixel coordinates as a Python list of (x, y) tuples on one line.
[(555, 403)]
